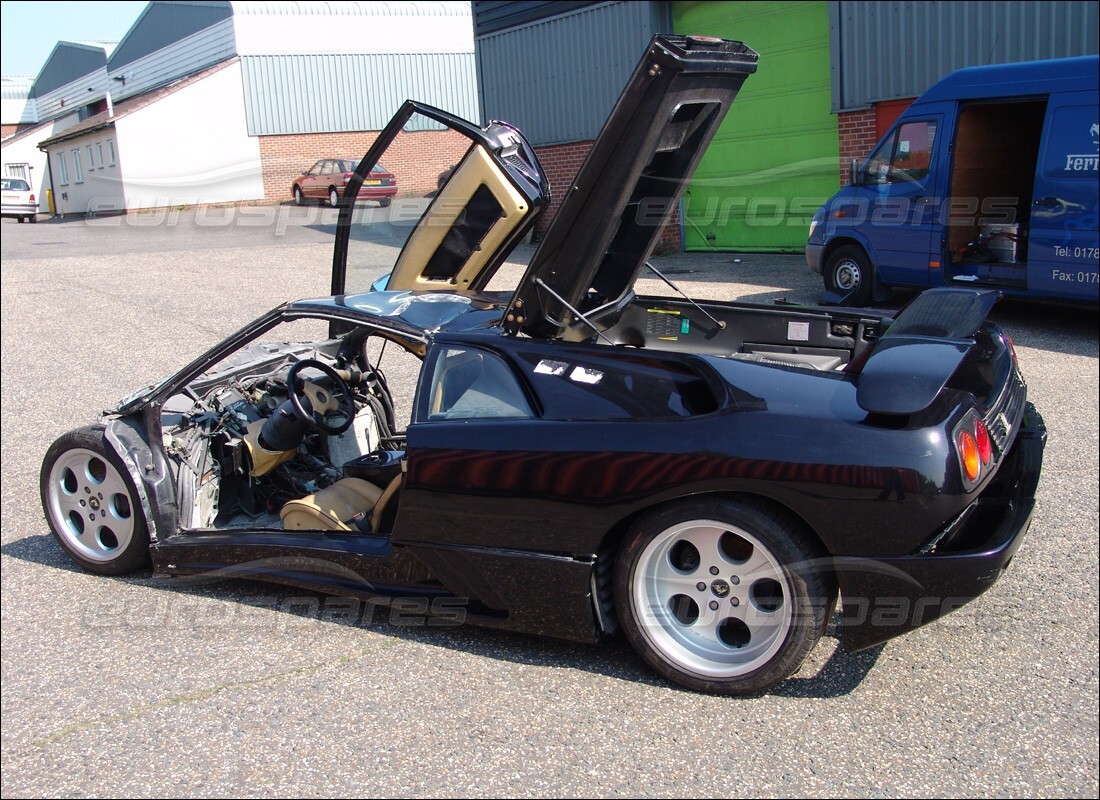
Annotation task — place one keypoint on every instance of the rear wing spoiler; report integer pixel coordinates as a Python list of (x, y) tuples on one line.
[(919, 353)]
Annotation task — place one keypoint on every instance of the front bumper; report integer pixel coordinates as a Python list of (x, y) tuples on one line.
[(887, 597), (815, 257)]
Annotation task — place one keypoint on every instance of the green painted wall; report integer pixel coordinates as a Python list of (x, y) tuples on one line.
[(775, 158)]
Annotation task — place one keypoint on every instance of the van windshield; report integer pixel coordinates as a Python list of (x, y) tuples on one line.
[(904, 156)]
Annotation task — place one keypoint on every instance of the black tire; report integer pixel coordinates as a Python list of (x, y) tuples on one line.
[(762, 607), (33, 218), (299, 198), (21, 220), (848, 271), (91, 504), (385, 202), (333, 197)]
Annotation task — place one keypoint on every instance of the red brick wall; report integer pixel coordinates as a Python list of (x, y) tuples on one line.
[(857, 136), (415, 158), (561, 163), (11, 130)]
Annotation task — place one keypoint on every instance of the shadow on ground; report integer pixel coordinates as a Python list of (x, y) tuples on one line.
[(841, 673)]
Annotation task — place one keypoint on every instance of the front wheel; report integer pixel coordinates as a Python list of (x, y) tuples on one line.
[(299, 198), (91, 504), (721, 596), (848, 272)]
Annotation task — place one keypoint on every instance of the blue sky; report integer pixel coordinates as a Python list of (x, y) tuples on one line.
[(29, 30)]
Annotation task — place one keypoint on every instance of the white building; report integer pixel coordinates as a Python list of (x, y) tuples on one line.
[(159, 148), (223, 101)]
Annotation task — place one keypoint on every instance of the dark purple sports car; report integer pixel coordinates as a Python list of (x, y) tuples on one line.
[(707, 477)]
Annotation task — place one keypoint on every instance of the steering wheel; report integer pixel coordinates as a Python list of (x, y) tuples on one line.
[(321, 401)]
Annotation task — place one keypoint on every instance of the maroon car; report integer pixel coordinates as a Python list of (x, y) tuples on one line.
[(326, 179)]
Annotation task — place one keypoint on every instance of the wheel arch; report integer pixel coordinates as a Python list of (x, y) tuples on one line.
[(148, 470)]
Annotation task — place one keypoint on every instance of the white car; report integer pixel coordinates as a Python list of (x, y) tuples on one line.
[(18, 200)]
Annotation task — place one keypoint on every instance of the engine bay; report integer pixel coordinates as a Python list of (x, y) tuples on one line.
[(277, 422)]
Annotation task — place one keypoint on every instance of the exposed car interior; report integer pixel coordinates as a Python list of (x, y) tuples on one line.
[(289, 436)]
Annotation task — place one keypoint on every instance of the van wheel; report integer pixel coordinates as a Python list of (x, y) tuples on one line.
[(848, 272)]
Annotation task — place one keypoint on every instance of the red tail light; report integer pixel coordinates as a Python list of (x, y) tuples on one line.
[(975, 448), (985, 444), (32, 198), (968, 453)]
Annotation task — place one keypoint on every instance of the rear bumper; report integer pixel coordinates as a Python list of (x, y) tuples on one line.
[(376, 192), (815, 256), (887, 597), (18, 210)]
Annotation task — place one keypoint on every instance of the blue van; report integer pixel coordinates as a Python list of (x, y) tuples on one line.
[(988, 179)]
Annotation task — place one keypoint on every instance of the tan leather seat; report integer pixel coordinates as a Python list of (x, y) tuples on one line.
[(344, 506)]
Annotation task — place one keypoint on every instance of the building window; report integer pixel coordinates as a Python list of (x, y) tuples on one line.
[(99, 147), (78, 167), (17, 171), (91, 159), (63, 165), (111, 152)]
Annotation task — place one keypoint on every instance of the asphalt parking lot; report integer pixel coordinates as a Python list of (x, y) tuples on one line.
[(148, 686)]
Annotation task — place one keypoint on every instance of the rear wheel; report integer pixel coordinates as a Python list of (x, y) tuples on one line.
[(91, 504), (33, 218), (384, 202), (848, 271), (721, 596), (333, 197)]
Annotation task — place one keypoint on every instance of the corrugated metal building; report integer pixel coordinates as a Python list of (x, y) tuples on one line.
[(17, 108), (833, 74), (889, 50), (313, 79), (556, 78)]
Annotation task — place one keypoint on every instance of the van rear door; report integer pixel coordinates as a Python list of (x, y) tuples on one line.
[(1063, 242)]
